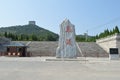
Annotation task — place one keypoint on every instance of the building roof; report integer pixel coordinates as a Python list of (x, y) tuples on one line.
[(17, 44)]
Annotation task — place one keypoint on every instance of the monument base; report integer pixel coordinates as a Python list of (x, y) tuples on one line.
[(67, 59)]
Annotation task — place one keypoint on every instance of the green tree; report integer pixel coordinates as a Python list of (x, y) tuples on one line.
[(34, 37), (97, 36), (5, 34), (106, 32), (116, 29)]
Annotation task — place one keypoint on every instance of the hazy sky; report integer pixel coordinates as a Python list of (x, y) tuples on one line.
[(91, 15)]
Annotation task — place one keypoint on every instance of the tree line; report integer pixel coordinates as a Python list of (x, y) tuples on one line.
[(83, 38), (108, 32), (31, 37), (103, 34), (51, 37)]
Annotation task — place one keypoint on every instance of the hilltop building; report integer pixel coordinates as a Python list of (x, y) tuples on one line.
[(32, 23)]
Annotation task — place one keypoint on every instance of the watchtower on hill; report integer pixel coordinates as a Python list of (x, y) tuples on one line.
[(32, 23)]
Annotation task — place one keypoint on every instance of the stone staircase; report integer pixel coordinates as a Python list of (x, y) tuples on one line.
[(48, 48), (91, 49), (43, 48)]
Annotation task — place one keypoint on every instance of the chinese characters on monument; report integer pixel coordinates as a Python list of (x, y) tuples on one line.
[(67, 44)]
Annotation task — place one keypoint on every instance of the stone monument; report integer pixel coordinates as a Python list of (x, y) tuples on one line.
[(67, 44)]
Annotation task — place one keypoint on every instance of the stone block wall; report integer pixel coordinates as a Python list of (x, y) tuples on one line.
[(112, 41)]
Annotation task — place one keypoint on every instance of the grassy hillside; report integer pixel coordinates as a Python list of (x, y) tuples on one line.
[(28, 30)]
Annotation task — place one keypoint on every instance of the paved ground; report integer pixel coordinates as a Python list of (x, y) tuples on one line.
[(39, 69)]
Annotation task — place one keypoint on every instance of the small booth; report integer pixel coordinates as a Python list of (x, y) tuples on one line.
[(114, 53), (16, 49)]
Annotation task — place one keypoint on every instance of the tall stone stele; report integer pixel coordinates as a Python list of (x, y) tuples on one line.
[(67, 44)]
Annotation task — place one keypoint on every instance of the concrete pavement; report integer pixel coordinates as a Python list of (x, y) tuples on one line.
[(37, 69)]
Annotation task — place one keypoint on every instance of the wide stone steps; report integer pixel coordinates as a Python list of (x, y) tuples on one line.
[(91, 49), (44, 48)]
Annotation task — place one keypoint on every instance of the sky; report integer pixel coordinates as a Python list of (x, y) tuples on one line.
[(92, 16)]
